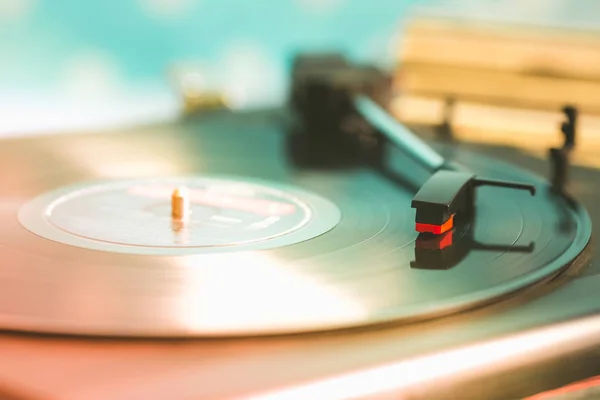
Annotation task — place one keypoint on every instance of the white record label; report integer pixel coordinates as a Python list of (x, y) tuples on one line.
[(134, 216)]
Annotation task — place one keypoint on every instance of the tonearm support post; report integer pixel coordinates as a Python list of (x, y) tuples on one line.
[(559, 157)]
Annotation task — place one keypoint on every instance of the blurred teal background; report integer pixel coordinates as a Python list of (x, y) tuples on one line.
[(44, 42), (55, 53), (74, 64)]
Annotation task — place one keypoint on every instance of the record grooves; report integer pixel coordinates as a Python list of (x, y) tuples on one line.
[(363, 265)]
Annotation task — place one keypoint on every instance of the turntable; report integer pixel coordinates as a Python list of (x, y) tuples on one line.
[(319, 251)]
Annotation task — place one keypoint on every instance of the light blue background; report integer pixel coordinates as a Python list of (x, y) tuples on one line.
[(141, 39), (98, 61)]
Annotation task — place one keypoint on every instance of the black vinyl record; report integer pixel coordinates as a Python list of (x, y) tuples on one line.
[(89, 246)]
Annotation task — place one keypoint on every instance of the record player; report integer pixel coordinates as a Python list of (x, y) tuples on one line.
[(319, 251)]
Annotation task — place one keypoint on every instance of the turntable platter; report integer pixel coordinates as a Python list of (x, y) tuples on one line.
[(89, 247)]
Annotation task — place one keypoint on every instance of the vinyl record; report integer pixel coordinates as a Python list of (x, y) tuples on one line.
[(89, 245)]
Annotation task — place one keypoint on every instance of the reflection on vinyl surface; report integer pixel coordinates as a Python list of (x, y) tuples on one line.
[(447, 250)]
